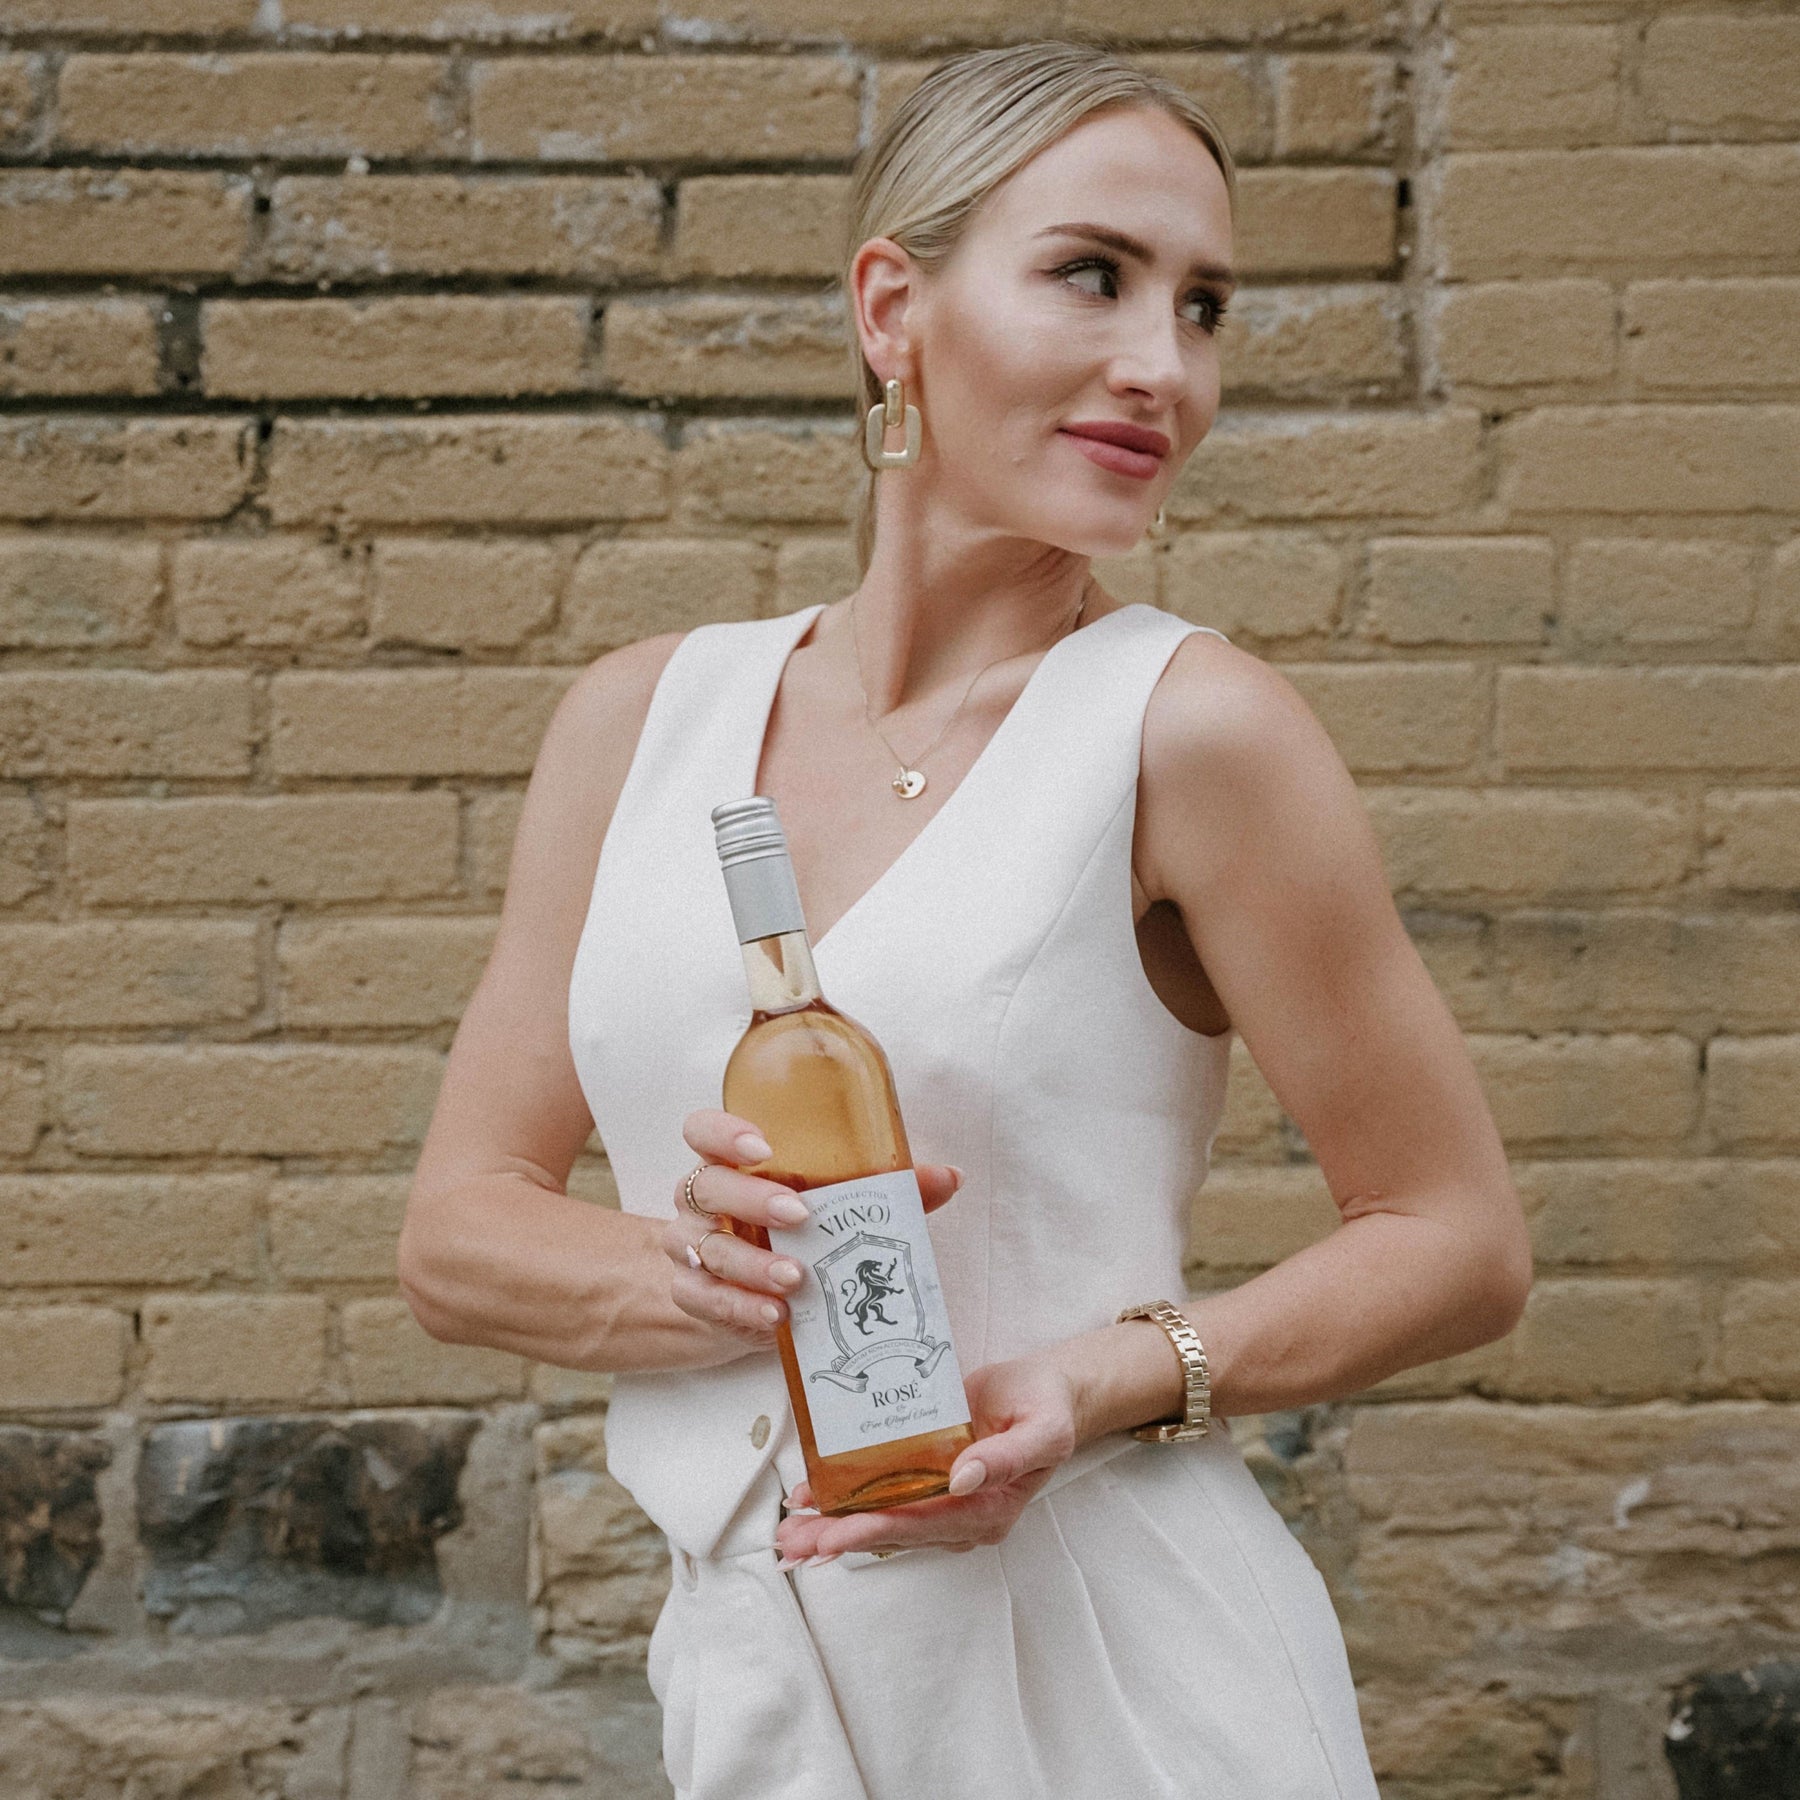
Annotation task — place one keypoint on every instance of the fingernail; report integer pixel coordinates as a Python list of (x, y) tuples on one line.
[(954, 1170), (790, 1562), (812, 1562), (754, 1147), (968, 1478), (790, 1209), (771, 1312), (785, 1272)]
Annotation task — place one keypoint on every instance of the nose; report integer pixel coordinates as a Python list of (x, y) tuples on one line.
[(1150, 361)]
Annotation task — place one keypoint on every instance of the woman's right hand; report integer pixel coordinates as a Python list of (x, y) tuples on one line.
[(738, 1280)]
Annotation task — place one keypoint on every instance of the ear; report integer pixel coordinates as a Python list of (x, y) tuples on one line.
[(883, 282)]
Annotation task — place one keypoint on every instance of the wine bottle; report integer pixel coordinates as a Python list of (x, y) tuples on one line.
[(871, 1372)]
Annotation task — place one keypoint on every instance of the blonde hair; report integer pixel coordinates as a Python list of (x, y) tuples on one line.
[(973, 121)]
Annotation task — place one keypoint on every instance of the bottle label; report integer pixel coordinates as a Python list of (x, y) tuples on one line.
[(870, 1330)]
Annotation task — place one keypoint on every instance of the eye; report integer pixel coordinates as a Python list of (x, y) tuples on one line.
[(1104, 267), (1215, 305)]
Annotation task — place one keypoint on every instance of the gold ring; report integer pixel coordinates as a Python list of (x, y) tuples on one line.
[(693, 1249), (694, 1206)]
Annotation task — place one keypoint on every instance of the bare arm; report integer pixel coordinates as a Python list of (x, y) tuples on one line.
[(1263, 843), (493, 1249)]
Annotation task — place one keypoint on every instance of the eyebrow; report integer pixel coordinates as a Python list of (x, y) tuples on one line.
[(1118, 240)]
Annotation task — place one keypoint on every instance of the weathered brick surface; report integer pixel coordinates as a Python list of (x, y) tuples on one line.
[(370, 369)]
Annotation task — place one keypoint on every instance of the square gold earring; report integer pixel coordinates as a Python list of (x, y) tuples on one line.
[(888, 412)]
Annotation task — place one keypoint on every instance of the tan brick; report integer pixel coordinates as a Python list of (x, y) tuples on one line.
[(812, 21), (1649, 459), (631, 588), (22, 851), (89, 466), (389, 1361), (247, 1100), (1315, 222), (1463, 1741), (81, 346), (1577, 1087), (618, 109), (410, 345), (72, 593), (1611, 1339), (61, 1356), (814, 570), (1151, 20), (493, 824), (122, 221), (1388, 718), (1753, 838), (138, 972), (234, 1347), (1510, 213), (124, 722), (242, 849), (1719, 71), (1130, 577), (1510, 334), (181, 18), (513, 468), (1264, 585), (1751, 340), (18, 107), (757, 469), (412, 721), (128, 1230), (891, 81), (1782, 607), (266, 592), (1646, 970), (1531, 843), (1333, 103), (1459, 590), (510, 20), (249, 103), (1246, 1217), (549, 1385), (1308, 465), (461, 593), (1759, 1338), (1750, 1087), (569, 227), (1252, 1125), (1533, 84), (337, 1227), (710, 345), (21, 1105), (761, 225), (1657, 590), (1310, 342), (1657, 718), (389, 972), (1663, 1216)]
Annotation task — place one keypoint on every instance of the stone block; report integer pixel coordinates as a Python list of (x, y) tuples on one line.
[(250, 1521)]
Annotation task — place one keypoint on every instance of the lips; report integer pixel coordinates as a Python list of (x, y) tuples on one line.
[(1125, 449)]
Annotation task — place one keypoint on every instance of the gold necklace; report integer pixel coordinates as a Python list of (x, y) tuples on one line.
[(909, 783)]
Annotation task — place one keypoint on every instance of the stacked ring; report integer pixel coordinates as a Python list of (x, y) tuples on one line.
[(687, 1189), (693, 1250)]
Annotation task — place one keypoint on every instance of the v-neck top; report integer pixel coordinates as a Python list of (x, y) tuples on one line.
[(995, 960)]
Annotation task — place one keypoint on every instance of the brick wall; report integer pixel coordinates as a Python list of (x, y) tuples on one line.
[(368, 366)]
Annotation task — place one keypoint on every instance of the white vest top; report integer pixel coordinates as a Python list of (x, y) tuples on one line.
[(996, 961)]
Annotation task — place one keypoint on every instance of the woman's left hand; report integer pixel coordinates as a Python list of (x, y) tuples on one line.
[(1023, 1414)]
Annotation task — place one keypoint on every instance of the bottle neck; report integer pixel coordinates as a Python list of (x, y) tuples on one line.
[(780, 972)]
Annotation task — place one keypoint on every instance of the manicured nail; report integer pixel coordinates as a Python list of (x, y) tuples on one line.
[(789, 1209), (786, 1273), (968, 1478), (812, 1562), (954, 1170), (771, 1312), (790, 1562), (754, 1147)]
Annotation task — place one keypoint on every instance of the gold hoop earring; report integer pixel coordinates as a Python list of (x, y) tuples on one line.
[(1159, 526), (887, 412)]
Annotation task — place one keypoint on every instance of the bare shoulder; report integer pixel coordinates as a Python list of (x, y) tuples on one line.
[(1227, 736)]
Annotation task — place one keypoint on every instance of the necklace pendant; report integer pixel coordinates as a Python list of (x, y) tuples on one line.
[(909, 784)]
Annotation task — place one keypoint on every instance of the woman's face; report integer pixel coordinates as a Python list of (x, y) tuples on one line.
[(1085, 291)]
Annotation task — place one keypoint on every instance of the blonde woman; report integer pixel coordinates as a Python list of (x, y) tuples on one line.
[(1055, 851)]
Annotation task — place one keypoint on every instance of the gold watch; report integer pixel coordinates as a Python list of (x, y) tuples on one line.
[(1196, 1421)]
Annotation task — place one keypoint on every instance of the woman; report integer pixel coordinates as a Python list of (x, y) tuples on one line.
[(1040, 246)]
